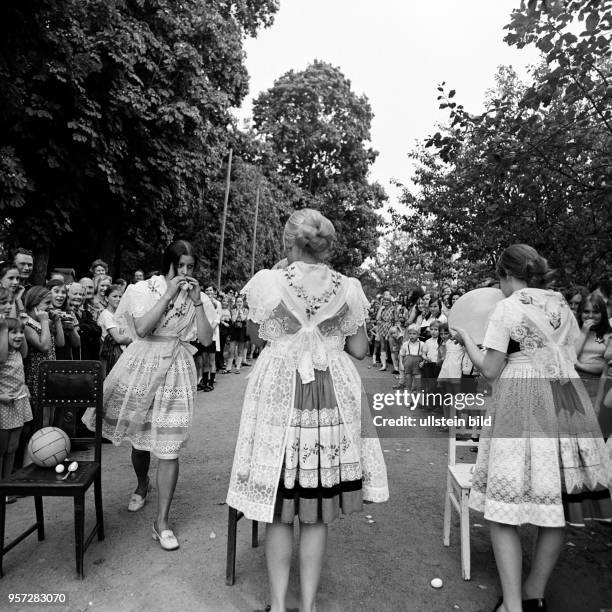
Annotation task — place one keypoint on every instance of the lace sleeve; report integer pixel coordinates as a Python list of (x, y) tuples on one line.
[(358, 308), (262, 295), (497, 335)]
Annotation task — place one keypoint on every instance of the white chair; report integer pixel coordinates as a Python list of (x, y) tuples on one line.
[(459, 482)]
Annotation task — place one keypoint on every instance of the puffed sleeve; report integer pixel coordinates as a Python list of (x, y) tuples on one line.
[(497, 335), (262, 294), (136, 301), (358, 308)]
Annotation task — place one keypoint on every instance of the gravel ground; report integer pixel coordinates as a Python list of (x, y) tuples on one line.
[(383, 563)]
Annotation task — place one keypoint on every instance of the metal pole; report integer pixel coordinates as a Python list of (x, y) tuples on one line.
[(224, 217), (255, 227)]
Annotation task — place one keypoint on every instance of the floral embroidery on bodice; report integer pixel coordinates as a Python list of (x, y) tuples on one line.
[(545, 329)]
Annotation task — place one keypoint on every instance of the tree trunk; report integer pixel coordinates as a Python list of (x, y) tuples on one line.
[(41, 262)]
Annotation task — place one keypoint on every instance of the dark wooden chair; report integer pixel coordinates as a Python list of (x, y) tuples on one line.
[(67, 388), (232, 524)]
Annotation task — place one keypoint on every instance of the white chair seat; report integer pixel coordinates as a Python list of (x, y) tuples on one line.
[(462, 474)]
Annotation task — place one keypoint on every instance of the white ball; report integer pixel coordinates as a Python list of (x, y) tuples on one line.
[(436, 583), (59, 468)]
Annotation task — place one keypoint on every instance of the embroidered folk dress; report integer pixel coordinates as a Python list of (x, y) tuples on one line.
[(543, 460), (149, 394), (300, 449)]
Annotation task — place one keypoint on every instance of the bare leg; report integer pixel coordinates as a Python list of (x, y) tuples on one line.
[(313, 538), (9, 457), (141, 461), (509, 560), (547, 550), (167, 475), (394, 360), (278, 547), (383, 360)]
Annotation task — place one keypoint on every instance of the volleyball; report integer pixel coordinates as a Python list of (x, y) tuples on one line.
[(49, 446)]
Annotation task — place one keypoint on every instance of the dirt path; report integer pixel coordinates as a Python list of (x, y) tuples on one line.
[(385, 565)]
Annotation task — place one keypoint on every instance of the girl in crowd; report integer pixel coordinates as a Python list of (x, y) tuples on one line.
[(98, 302), (385, 319), (149, 395), (591, 345), (5, 312), (225, 321), (67, 319), (238, 333), (114, 340), (80, 296), (575, 297), (209, 356), (11, 281), (531, 465), (15, 408), (596, 332), (311, 317), (43, 333)]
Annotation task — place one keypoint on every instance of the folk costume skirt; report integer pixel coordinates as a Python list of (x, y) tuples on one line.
[(321, 476), (543, 460)]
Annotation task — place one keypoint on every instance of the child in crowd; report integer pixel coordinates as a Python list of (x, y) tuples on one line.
[(5, 311), (451, 369), (410, 356), (10, 280), (396, 338), (114, 338), (430, 367), (43, 332), (15, 408)]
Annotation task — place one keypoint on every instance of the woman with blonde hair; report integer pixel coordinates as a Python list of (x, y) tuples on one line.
[(300, 451)]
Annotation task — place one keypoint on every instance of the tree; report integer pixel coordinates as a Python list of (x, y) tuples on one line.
[(114, 117), (319, 130), (536, 166)]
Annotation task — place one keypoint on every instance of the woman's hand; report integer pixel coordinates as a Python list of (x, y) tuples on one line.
[(42, 315), (174, 285), (586, 326), (193, 289), (459, 335)]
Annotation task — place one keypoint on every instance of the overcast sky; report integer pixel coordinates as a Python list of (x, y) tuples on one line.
[(395, 52)]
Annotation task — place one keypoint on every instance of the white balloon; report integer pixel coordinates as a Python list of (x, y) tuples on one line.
[(472, 310)]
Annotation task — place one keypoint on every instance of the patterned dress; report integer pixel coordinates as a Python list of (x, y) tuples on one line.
[(35, 358), (15, 413), (543, 460), (300, 450), (149, 394)]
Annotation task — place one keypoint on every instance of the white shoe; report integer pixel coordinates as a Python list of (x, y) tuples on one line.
[(167, 540)]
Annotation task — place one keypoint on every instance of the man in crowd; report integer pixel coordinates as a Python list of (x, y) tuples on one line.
[(24, 261)]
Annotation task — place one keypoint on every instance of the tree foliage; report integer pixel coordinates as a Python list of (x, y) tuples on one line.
[(320, 130), (536, 166), (114, 117)]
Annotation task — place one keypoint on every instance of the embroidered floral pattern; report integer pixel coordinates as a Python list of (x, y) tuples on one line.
[(313, 302)]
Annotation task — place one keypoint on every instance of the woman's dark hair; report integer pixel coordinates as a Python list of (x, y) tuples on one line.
[(56, 282), (435, 299), (526, 264), (112, 288), (5, 267), (173, 252), (414, 295), (598, 304), (34, 296), (580, 290)]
